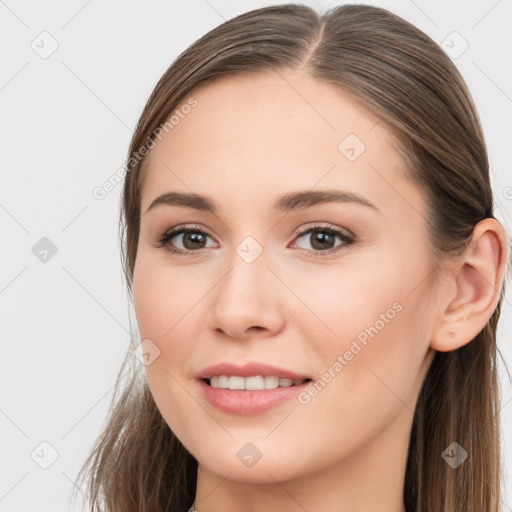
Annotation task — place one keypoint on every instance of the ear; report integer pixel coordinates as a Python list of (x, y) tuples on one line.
[(475, 282)]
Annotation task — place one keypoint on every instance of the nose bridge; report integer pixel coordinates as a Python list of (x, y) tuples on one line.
[(248, 270), (245, 296)]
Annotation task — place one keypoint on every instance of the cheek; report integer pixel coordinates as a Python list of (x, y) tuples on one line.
[(167, 320), (169, 314), (345, 303), (163, 295), (367, 377), (363, 320)]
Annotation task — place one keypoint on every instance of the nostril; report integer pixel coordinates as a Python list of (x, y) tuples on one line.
[(257, 328)]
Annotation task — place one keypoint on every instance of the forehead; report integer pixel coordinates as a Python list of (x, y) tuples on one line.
[(286, 104), (273, 132)]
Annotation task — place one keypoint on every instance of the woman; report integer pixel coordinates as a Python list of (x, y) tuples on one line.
[(317, 276)]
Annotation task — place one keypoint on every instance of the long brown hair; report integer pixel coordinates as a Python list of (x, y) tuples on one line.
[(402, 76)]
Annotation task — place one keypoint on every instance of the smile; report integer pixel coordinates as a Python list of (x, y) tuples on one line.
[(253, 383)]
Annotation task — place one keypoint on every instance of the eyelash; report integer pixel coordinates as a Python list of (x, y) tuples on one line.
[(164, 239)]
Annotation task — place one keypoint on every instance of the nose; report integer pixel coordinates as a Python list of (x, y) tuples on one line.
[(248, 300)]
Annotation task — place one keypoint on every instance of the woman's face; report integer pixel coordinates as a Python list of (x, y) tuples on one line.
[(347, 309)]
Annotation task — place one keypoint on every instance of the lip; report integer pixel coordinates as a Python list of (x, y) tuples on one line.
[(244, 402), (248, 370), (249, 403)]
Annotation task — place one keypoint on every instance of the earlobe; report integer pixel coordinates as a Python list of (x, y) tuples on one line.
[(478, 278)]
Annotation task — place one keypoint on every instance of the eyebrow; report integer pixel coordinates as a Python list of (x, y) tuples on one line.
[(286, 203)]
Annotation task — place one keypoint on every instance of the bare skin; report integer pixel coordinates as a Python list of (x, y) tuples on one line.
[(249, 141)]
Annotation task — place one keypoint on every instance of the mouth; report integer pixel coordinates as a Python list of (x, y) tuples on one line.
[(252, 383), (249, 389), (250, 396)]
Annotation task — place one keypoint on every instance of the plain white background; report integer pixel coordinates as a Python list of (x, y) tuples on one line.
[(66, 121)]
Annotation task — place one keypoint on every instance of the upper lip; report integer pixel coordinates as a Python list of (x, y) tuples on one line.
[(248, 370)]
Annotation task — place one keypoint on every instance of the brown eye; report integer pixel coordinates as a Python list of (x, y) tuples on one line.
[(192, 240), (183, 240), (323, 238)]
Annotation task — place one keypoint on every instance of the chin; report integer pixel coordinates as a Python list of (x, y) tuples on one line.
[(244, 462)]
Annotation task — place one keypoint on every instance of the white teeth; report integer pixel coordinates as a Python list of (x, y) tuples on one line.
[(253, 383), (236, 383), (285, 383), (271, 382), (257, 382), (223, 381)]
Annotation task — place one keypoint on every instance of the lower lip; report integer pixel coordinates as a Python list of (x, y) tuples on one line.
[(249, 403)]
